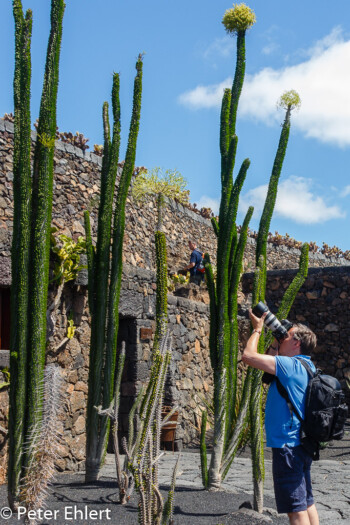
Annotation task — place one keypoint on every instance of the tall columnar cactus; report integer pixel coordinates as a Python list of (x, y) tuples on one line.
[(223, 294), (289, 100), (105, 272), (31, 236), (231, 409), (20, 245)]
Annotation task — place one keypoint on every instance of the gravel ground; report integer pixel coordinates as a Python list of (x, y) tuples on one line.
[(72, 501), (192, 507)]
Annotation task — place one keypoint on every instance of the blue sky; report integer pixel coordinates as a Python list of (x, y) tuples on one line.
[(188, 61)]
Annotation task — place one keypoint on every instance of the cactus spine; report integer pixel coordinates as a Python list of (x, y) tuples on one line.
[(31, 236), (44, 442), (104, 297)]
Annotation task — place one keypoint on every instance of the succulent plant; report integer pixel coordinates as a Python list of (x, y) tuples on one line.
[(233, 409), (105, 271), (31, 238), (98, 149)]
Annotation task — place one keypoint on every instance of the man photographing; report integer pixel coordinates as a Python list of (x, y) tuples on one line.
[(291, 464)]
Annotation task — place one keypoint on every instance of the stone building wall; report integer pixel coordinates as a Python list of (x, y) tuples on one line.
[(323, 304), (189, 375), (76, 189)]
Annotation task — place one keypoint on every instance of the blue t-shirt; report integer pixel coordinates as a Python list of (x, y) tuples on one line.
[(196, 258), (281, 427)]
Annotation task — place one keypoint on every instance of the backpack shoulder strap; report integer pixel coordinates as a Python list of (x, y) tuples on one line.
[(283, 392), (308, 368)]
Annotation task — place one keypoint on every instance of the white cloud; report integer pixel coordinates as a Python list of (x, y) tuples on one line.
[(270, 48), (208, 202), (322, 81), (222, 47), (295, 201), (345, 192), (205, 96)]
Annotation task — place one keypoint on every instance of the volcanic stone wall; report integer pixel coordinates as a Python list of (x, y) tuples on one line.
[(76, 188), (189, 378), (323, 305)]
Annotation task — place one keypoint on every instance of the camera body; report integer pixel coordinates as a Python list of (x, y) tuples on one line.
[(278, 328)]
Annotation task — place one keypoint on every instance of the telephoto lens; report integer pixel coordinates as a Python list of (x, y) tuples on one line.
[(279, 330)]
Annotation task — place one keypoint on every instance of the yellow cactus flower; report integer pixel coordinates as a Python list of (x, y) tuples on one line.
[(239, 18), (289, 99)]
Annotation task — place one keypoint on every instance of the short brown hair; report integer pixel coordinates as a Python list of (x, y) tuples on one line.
[(307, 338)]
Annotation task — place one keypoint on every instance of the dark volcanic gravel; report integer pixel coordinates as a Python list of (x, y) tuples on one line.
[(192, 507)]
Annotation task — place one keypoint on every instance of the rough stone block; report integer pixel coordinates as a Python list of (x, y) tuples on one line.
[(4, 358)]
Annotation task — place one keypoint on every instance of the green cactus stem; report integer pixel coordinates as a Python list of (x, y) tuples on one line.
[(270, 201), (256, 419), (41, 215), (31, 237), (98, 267), (223, 294), (161, 293), (231, 408), (105, 276), (20, 246)]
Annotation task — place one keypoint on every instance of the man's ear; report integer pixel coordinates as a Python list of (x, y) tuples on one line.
[(297, 343)]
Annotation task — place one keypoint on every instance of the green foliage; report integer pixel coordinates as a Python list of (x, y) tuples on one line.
[(5, 383), (46, 140), (239, 18), (68, 254), (174, 279), (289, 100), (169, 183), (71, 329)]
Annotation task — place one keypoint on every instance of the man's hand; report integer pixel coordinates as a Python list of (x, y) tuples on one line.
[(257, 322), (250, 354)]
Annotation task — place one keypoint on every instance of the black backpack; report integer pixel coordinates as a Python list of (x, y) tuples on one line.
[(200, 266), (325, 410)]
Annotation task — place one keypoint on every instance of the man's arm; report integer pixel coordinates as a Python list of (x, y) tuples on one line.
[(189, 266), (250, 356)]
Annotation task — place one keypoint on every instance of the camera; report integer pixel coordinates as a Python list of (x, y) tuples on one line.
[(278, 328)]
